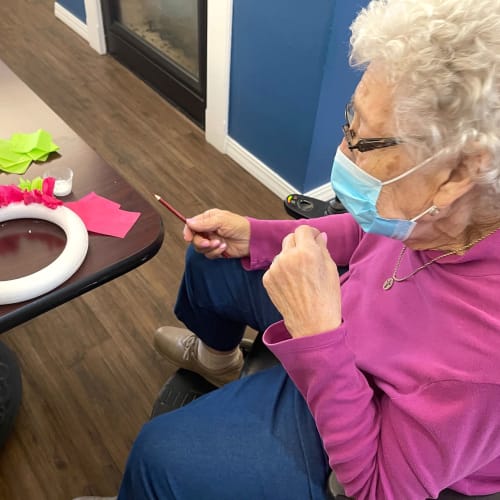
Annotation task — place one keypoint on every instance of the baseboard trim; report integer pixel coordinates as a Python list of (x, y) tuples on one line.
[(258, 169), (324, 192), (268, 177), (70, 20)]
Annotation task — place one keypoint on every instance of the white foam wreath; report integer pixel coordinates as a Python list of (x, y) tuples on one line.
[(59, 270)]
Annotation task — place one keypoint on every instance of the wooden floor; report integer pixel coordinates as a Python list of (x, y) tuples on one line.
[(90, 373)]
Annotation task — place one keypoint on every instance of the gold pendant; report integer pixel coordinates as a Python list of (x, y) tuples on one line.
[(388, 283)]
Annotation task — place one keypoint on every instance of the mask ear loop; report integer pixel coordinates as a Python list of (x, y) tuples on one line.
[(415, 168), (432, 211)]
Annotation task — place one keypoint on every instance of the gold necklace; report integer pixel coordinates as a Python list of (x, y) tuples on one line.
[(390, 281)]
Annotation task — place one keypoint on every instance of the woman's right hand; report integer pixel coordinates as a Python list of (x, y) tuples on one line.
[(219, 233)]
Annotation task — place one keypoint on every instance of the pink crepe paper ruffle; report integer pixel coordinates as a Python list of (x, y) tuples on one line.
[(14, 194)]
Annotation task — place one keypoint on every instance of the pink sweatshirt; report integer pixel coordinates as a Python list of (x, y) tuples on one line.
[(406, 392)]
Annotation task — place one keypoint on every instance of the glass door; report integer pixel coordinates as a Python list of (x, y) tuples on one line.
[(163, 42)]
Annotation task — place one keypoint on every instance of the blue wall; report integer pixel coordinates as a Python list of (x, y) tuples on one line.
[(290, 81), (76, 7), (338, 84)]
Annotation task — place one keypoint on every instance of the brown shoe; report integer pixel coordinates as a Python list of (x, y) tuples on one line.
[(180, 347)]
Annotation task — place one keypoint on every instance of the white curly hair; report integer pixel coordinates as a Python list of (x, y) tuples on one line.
[(443, 58)]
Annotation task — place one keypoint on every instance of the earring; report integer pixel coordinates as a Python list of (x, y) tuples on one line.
[(434, 210)]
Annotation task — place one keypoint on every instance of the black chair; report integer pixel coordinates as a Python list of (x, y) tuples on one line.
[(185, 386), (10, 391)]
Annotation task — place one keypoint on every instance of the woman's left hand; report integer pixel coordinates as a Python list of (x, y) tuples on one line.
[(303, 284)]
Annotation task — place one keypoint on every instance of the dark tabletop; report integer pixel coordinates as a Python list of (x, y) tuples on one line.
[(29, 245)]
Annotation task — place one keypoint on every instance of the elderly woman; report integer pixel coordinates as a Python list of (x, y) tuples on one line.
[(390, 375)]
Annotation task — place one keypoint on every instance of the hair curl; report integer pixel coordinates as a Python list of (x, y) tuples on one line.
[(443, 58)]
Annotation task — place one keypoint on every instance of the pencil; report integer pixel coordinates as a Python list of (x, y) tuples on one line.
[(170, 208), (167, 205)]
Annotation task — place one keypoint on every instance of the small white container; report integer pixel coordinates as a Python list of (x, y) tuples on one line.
[(63, 177)]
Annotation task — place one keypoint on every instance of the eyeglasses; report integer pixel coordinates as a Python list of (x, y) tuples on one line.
[(363, 145)]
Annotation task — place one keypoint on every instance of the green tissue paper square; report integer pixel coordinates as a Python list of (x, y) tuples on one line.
[(17, 153), (11, 162), (39, 140)]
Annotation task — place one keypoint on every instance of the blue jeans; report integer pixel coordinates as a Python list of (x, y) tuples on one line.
[(252, 439), (217, 299)]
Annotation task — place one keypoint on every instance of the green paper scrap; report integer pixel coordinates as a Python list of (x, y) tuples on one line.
[(30, 185), (17, 153)]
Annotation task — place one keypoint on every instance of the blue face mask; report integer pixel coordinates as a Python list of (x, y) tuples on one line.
[(359, 192)]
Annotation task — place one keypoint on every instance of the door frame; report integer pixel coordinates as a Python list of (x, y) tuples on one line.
[(219, 32)]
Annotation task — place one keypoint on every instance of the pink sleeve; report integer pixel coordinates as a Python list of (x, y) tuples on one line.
[(266, 236), (403, 446)]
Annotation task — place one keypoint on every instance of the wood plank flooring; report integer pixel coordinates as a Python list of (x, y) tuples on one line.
[(90, 373)]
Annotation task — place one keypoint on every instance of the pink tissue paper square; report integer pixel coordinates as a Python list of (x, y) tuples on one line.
[(103, 216)]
